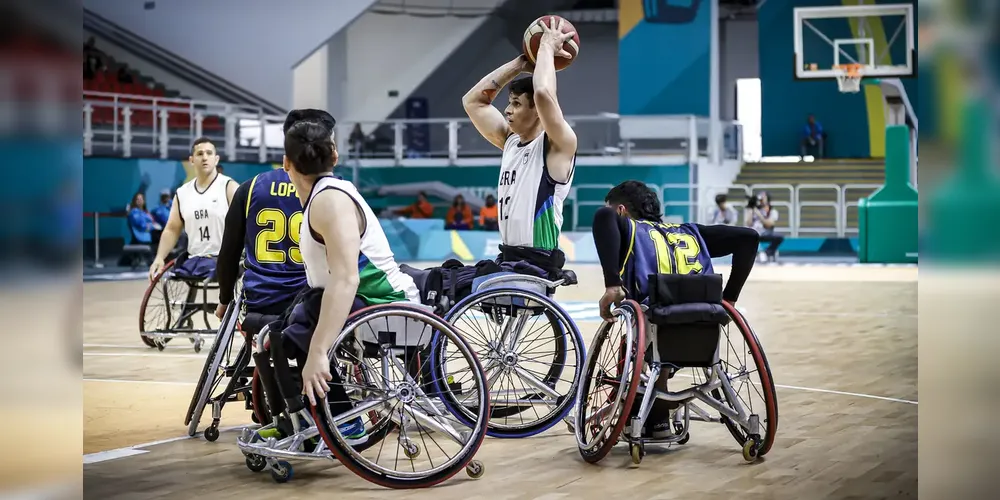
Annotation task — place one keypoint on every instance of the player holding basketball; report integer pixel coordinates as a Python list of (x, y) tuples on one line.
[(633, 243), (346, 255), (199, 209), (539, 150)]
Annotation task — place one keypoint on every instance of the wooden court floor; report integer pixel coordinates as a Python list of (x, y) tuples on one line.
[(841, 343)]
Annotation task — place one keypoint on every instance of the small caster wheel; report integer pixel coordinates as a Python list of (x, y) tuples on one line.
[(678, 429), (256, 463), (253, 417), (281, 471), (637, 453), (160, 346), (411, 450), (212, 433), (197, 346), (750, 450), (475, 469), (570, 428)]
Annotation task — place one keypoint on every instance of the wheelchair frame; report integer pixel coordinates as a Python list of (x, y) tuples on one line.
[(239, 372), (159, 337), (744, 427), (540, 290), (333, 446)]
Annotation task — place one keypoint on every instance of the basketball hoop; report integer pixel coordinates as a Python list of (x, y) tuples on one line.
[(849, 77)]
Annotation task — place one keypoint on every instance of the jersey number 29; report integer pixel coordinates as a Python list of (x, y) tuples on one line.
[(275, 229)]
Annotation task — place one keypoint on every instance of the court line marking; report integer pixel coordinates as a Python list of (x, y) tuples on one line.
[(124, 381), (144, 355), (827, 391), (131, 451)]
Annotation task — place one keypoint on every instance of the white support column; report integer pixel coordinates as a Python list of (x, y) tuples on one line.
[(262, 147), (88, 129), (127, 132), (714, 131), (397, 142), (199, 121), (453, 141), (164, 136), (231, 139)]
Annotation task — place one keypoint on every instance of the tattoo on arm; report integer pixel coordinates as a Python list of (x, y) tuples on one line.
[(491, 91)]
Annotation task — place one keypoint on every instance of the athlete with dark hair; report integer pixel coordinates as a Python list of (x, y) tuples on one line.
[(633, 243)]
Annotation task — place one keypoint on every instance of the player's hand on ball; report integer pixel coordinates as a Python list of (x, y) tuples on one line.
[(315, 376), (612, 295), (554, 37)]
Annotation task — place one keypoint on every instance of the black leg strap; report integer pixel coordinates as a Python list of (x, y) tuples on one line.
[(283, 373)]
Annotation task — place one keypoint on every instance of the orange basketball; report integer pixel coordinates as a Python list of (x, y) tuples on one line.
[(533, 35)]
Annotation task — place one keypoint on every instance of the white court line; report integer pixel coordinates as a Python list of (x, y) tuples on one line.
[(828, 391), (129, 451), (124, 381), (145, 355)]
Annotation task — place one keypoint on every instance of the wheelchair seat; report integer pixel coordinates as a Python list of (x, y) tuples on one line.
[(253, 323)]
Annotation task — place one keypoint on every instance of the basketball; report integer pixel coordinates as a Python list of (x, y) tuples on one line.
[(533, 35)]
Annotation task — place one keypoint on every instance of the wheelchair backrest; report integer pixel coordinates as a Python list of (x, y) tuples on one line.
[(676, 289), (397, 330), (508, 279)]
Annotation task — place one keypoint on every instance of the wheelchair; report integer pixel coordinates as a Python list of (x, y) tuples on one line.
[(377, 360), (680, 330), (221, 364), (171, 304), (531, 351)]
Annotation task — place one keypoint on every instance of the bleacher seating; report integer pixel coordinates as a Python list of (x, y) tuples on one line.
[(144, 89), (823, 175)]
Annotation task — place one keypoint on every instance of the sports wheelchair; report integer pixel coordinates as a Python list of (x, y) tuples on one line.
[(221, 364), (531, 350), (679, 330), (377, 364), (171, 303)]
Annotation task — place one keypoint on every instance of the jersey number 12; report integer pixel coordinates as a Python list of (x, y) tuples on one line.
[(504, 213)]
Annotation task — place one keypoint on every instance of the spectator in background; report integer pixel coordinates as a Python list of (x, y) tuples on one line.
[(421, 209), (124, 75), (357, 140), (723, 213), (814, 137), (140, 222), (93, 59), (762, 217), (488, 216), (162, 212), (459, 215)]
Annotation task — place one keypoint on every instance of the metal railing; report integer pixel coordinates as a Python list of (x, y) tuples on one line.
[(145, 126), (700, 202)]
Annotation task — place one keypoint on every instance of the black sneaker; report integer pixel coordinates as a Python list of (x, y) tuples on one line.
[(662, 430)]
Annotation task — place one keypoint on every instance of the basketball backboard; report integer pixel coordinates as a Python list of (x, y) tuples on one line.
[(879, 37)]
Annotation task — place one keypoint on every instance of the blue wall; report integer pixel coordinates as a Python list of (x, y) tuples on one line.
[(785, 102), (663, 57)]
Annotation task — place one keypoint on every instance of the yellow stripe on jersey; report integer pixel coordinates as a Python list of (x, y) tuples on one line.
[(250, 194), (631, 244)]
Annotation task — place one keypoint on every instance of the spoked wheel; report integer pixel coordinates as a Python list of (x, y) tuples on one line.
[(532, 354), (743, 363), (162, 305), (614, 367), (425, 445)]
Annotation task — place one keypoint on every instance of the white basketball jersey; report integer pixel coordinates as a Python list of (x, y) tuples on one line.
[(204, 215), (381, 279), (530, 202)]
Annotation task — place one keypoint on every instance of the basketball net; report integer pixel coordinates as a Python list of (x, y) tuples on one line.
[(849, 77)]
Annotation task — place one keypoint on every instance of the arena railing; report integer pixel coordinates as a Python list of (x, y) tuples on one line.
[(145, 126)]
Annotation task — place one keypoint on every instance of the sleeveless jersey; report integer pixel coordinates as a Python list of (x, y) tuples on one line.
[(204, 215), (530, 202), (381, 279), (660, 248), (274, 272)]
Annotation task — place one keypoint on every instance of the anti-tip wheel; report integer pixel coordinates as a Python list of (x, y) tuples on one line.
[(750, 450), (678, 429), (281, 471), (637, 453), (475, 469), (212, 433), (256, 463)]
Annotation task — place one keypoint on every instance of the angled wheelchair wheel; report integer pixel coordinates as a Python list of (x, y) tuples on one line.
[(422, 444), (611, 380), (162, 306), (532, 354), (212, 373), (748, 387)]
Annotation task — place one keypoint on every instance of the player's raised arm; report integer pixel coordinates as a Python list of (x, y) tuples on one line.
[(478, 101), (560, 134)]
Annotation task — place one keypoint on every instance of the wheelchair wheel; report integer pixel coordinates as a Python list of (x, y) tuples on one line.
[(532, 354), (611, 380), (743, 362), (169, 305), (409, 406), (222, 349), (258, 401)]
